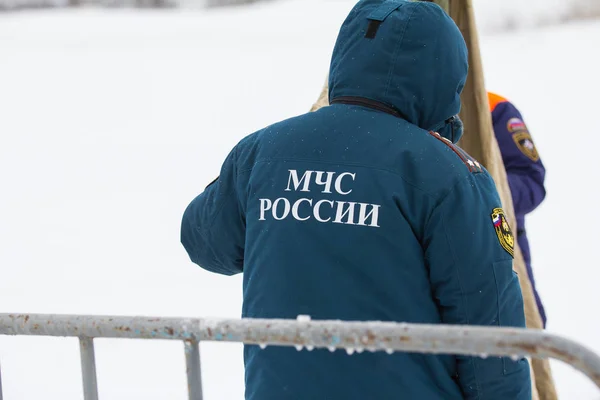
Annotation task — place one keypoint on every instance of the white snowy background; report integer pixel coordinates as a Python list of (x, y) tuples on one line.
[(111, 121)]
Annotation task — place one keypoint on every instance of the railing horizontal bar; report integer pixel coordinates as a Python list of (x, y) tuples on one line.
[(371, 336)]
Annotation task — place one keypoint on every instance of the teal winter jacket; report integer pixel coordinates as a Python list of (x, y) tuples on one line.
[(365, 210)]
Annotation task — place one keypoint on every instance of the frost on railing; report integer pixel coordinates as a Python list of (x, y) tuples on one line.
[(302, 333)]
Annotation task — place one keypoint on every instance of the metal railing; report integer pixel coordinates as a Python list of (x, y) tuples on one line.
[(0, 382), (302, 333)]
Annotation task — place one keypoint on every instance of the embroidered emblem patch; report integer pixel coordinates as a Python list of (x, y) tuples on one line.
[(525, 143), (503, 231), (515, 125)]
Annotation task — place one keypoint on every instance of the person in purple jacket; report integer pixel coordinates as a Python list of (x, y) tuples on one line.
[(525, 172)]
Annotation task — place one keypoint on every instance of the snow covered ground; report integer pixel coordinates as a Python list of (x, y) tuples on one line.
[(112, 121), (500, 15)]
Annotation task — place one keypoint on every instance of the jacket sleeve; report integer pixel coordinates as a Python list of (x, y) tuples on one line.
[(524, 167), (469, 254), (213, 225)]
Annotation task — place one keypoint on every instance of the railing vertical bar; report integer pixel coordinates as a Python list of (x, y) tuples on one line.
[(192, 363), (0, 382), (88, 368)]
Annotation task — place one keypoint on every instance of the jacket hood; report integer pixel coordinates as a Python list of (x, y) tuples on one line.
[(407, 55)]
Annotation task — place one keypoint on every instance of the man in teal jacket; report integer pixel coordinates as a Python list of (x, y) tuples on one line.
[(361, 211)]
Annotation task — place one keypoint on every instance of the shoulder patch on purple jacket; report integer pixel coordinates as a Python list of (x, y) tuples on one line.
[(525, 144), (522, 138), (516, 125)]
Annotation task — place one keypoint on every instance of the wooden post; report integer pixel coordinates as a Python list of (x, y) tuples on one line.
[(480, 142)]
